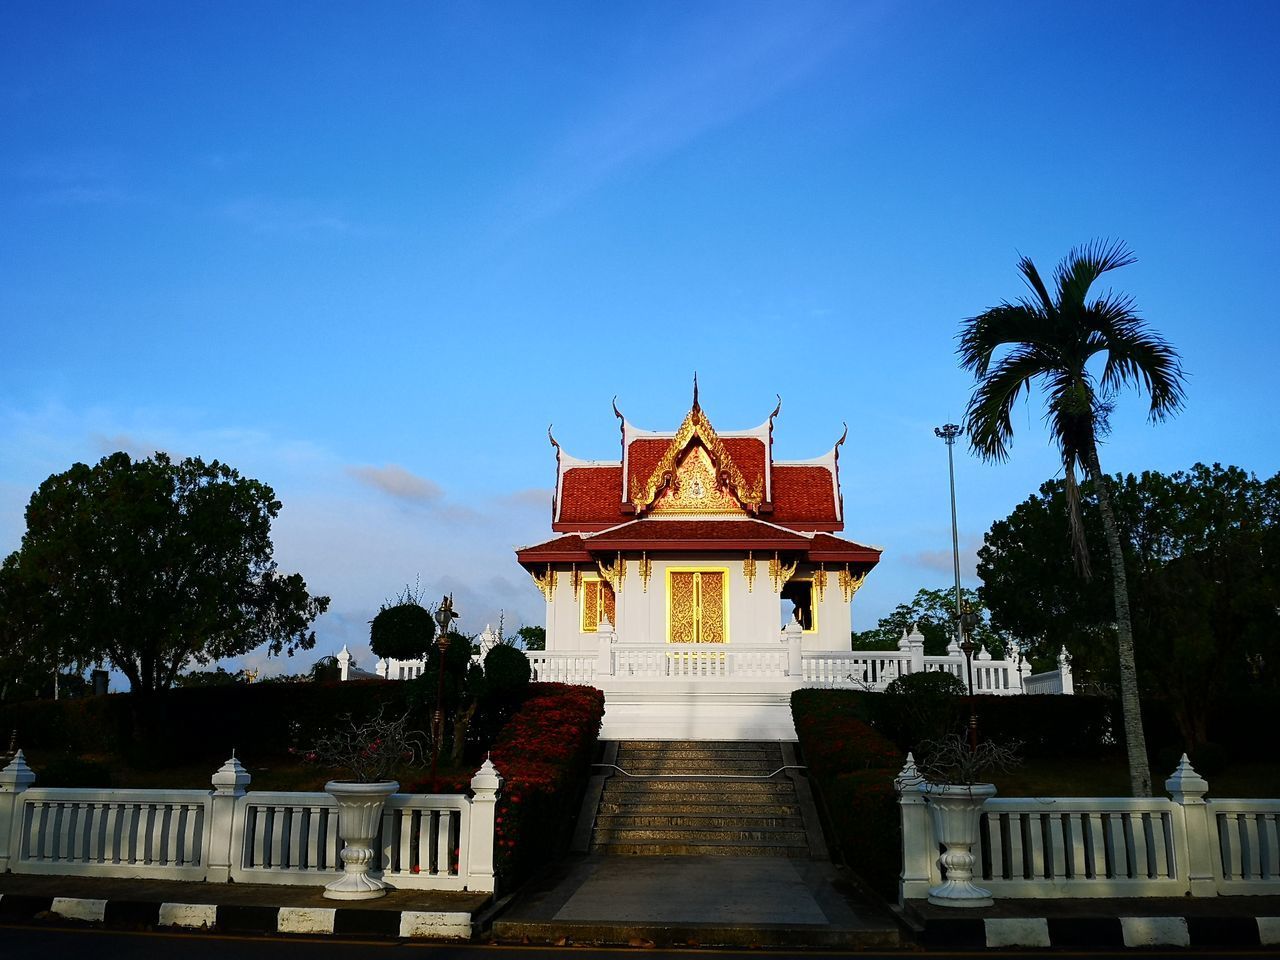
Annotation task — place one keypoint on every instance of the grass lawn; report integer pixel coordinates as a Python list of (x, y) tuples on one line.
[(1108, 776)]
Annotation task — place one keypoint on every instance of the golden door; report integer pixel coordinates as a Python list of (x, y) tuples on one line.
[(696, 606)]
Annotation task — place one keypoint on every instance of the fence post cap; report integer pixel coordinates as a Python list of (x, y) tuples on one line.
[(17, 776), (908, 776), (231, 778), (487, 778), (1185, 784)]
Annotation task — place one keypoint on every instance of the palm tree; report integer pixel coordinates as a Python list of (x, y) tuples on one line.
[(1052, 338)]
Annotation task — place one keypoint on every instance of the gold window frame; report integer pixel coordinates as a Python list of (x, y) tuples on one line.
[(724, 597), (592, 582)]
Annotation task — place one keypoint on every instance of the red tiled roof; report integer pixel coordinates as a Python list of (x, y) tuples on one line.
[(590, 495), (643, 455), (824, 547), (748, 454), (672, 532), (698, 535), (803, 494)]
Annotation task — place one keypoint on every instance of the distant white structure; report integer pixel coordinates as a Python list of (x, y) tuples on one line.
[(389, 669)]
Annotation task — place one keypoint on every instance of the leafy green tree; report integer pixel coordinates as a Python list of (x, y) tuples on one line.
[(533, 638), (1051, 338), (402, 630), (934, 612), (151, 565), (1203, 549)]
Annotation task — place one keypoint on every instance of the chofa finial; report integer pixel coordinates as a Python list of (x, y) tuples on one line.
[(616, 412), (552, 438), (695, 389)]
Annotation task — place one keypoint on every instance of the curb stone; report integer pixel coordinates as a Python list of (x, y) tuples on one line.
[(232, 918), (1194, 932)]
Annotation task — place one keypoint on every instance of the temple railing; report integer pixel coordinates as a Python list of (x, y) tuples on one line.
[(231, 834), (1185, 844)]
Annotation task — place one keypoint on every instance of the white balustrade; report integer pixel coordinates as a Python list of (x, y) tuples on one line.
[(579, 668), (1089, 847), (110, 833), (426, 841)]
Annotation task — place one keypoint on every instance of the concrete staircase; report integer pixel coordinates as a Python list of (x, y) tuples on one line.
[(678, 802)]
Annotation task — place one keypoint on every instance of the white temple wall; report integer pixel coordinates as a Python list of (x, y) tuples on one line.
[(754, 616)]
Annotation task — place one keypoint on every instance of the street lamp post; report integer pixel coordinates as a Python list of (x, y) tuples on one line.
[(948, 433), (444, 617)]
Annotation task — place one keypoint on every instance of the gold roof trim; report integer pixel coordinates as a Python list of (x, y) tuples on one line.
[(696, 426)]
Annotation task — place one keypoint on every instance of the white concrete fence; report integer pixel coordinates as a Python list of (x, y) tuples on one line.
[(229, 834), (1031, 847), (856, 670)]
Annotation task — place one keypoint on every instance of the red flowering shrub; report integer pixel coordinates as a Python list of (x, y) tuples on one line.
[(852, 767)]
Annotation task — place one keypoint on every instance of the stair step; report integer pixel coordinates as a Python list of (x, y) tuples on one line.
[(679, 768), (647, 834), (742, 848), (697, 753), (624, 745), (699, 791), (626, 819), (700, 809)]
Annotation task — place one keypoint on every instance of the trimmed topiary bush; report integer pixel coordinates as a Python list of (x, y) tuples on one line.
[(507, 673), (402, 631)]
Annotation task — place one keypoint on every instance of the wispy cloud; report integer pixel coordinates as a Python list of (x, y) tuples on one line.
[(397, 482), (942, 559), (711, 73), (299, 219)]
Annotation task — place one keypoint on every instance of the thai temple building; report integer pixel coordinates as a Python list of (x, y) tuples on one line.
[(698, 581)]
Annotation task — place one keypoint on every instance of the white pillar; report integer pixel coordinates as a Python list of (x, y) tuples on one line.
[(605, 639), (915, 647), (14, 780), (1188, 789), (1064, 671), (919, 849), (1024, 671), (229, 785), (480, 846), (793, 636), (344, 662), (382, 667)]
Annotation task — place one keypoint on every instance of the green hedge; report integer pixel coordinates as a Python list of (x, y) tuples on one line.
[(852, 767), (1048, 725)]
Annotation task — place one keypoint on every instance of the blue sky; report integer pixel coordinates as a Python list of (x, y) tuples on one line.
[(366, 253)]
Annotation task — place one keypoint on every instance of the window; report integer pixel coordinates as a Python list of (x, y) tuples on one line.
[(798, 595), (597, 598)]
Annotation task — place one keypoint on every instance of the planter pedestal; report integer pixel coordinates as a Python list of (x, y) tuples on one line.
[(956, 811), (359, 811)]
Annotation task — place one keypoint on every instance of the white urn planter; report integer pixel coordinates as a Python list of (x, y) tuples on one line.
[(957, 810), (359, 811)]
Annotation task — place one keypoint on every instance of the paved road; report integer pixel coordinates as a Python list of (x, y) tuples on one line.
[(48, 943)]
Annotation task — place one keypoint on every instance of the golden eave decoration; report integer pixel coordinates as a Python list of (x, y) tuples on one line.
[(546, 582), (613, 573), (696, 426), (749, 570), (780, 573), (646, 570), (820, 582), (575, 579), (850, 582)]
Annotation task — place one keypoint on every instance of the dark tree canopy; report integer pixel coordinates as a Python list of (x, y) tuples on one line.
[(934, 612), (151, 565), (1203, 552), (402, 630)]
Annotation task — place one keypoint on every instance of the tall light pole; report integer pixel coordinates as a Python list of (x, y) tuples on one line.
[(947, 433)]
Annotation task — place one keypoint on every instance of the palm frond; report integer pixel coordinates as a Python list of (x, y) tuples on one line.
[(1136, 356), (1032, 277), (989, 418), (1079, 546), (1084, 265), (1009, 323)]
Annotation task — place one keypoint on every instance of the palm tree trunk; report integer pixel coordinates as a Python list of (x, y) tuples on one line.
[(1131, 707)]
